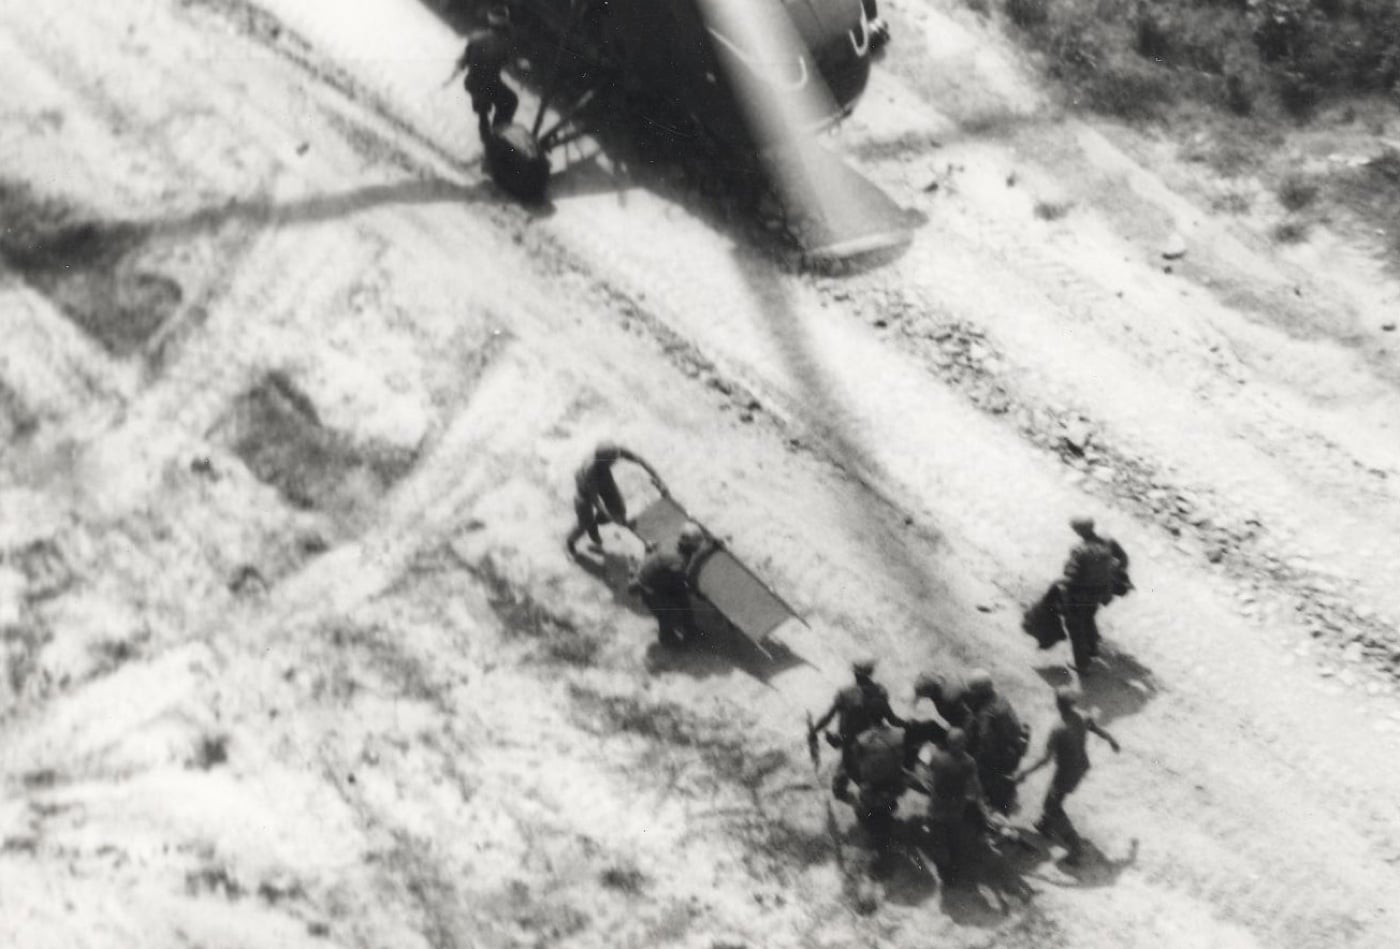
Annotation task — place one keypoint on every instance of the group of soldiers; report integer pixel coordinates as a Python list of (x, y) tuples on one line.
[(966, 758), (972, 772)]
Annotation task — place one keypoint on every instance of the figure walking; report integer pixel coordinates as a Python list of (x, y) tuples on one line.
[(1068, 747), (487, 53)]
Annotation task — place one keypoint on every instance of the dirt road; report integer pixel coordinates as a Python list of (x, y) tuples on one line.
[(291, 397)]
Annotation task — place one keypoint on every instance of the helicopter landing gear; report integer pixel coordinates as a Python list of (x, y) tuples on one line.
[(516, 162)]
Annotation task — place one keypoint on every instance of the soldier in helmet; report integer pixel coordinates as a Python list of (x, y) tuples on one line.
[(665, 580), (1096, 571), (486, 55), (955, 817), (596, 497), (996, 739), (856, 708), (948, 700)]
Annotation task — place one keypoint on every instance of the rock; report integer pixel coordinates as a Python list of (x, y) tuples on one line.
[(1076, 434), (1174, 248), (1104, 474)]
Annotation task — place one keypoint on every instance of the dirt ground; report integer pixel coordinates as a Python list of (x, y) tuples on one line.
[(290, 400)]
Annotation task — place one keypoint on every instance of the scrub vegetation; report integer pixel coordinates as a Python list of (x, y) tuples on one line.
[(1132, 59)]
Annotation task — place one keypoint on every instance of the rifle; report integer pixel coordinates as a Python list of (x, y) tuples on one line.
[(813, 749)]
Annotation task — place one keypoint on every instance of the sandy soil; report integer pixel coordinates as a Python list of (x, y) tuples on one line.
[(290, 398)]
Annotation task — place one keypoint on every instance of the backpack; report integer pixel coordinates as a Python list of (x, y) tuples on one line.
[(880, 753), (1042, 621)]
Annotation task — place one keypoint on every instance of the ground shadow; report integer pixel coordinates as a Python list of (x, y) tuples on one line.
[(319, 208), (1117, 685), (874, 517), (905, 872), (992, 883), (991, 886), (719, 648), (1093, 869)]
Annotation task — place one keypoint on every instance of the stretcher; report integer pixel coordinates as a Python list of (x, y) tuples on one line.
[(722, 584)]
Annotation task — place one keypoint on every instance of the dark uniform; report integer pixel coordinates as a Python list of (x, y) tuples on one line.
[(1094, 573), (487, 53), (664, 582), (998, 742), (949, 700), (856, 708), (950, 781), (879, 771), (596, 497)]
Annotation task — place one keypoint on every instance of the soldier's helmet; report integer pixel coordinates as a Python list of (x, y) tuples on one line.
[(927, 685), (499, 15), (979, 683), (608, 450), (1066, 697), (1083, 526), (691, 537), (864, 667), (957, 740)]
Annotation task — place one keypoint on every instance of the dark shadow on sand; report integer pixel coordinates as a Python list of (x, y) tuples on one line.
[(720, 648), (1118, 685)]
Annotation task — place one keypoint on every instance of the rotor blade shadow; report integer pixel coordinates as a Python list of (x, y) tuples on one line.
[(872, 517)]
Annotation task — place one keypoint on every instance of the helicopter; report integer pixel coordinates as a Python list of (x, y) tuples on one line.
[(751, 83)]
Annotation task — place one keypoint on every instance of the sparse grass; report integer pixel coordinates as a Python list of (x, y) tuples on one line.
[(1296, 192), (719, 742), (522, 615), (215, 879), (1232, 203), (1372, 193), (1052, 210), (1290, 232), (1129, 59), (87, 267), (279, 436), (210, 752), (625, 879)]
